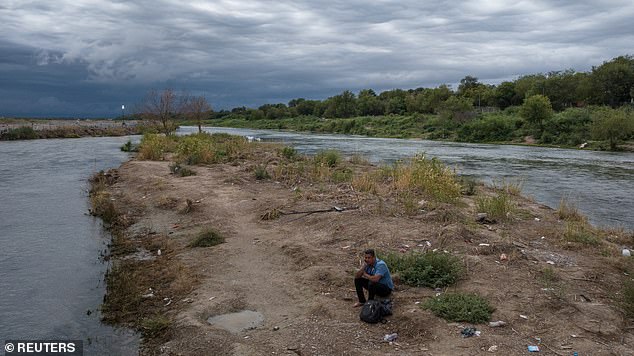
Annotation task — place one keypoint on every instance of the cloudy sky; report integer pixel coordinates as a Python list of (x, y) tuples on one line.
[(87, 57)]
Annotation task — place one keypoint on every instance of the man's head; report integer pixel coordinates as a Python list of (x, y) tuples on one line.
[(369, 256)]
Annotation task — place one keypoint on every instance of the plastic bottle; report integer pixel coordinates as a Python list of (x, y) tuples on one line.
[(390, 337)]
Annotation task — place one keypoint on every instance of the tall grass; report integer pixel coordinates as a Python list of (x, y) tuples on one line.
[(499, 207), (154, 146), (568, 211), (330, 158), (580, 232), (428, 177)]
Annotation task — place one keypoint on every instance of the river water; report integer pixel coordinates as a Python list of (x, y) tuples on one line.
[(51, 275), (600, 184)]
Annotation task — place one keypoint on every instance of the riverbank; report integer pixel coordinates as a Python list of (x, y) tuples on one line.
[(556, 281), (570, 129), (26, 129)]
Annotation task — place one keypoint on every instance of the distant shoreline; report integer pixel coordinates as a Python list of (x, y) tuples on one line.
[(28, 129)]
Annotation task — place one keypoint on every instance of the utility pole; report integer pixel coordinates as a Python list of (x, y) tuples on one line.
[(123, 114)]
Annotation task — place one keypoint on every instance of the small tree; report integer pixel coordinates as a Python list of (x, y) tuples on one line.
[(198, 109), (536, 109), (163, 109), (612, 126)]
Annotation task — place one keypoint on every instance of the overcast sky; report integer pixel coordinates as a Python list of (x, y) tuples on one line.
[(87, 57)]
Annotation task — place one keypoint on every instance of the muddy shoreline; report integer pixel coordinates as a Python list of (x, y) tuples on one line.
[(296, 270)]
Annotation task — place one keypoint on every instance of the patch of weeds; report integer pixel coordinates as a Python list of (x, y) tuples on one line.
[(153, 147), (548, 276), (468, 185), (330, 158), (421, 175), (155, 326), (431, 269), (499, 207), (460, 307), (102, 205), (20, 133), (288, 152), (580, 232), (569, 212), (178, 170), (359, 159), (271, 214), (261, 173), (129, 147), (365, 183), (207, 238), (628, 299), (342, 175), (510, 187)]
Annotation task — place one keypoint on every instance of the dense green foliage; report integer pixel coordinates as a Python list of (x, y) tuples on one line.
[(466, 307), (431, 269), (558, 108)]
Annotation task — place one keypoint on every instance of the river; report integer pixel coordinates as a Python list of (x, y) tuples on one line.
[(51, 274)]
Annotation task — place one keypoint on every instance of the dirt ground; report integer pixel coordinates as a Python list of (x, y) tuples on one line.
[(297, 271)]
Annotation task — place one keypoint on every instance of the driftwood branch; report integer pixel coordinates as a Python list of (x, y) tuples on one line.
[(334, 208)]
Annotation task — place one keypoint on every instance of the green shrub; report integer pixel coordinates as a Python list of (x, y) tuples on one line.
[(329, 158), (289, 152), (490, 128), (581, 232), (154, 146), (207, 238), (155, 326), (467, 185), (127, 147), (499, 207), (261, 172), (342, 175), (431, 269), (178, 170), (460, 307), (20, 133)]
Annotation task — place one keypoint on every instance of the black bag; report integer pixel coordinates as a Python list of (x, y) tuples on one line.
[(374, 311)]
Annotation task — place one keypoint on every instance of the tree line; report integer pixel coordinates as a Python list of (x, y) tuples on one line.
[(545, 107)]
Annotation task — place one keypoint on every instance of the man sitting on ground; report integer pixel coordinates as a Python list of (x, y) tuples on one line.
[(373, 276)]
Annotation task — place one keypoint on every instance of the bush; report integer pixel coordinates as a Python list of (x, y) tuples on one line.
[(261, 172), (426, 176), (207, 238), (20, 133), (431, 269), (568, 211), (289, 152), (467, 185), (491, 128), (465, 307), (181, 171), (329, 158), (154, 146), (580, 232)]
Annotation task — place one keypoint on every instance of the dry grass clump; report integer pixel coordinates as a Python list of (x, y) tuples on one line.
[(366, 182), (568, 211), (153, 147), (204, 148), (102, 205), (581, 232), (509, 186), (498, 207), (207, 238)]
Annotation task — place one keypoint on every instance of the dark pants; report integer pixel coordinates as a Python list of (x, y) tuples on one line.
[(373, 289)]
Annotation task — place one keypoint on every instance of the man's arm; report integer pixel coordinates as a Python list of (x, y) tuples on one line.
[(360, 272)]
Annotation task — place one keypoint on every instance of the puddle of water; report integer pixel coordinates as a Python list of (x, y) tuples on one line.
[(236, 322)]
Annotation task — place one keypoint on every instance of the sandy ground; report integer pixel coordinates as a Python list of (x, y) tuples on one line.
[(297, 271)]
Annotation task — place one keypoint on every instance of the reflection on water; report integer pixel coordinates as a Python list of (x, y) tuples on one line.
[(601, 184), (50, 273)]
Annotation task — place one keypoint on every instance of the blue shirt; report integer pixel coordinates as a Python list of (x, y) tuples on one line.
[(380, 267)]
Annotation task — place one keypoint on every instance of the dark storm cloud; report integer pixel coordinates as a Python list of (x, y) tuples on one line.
[(91, 56)]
